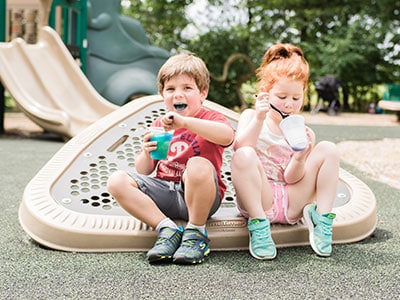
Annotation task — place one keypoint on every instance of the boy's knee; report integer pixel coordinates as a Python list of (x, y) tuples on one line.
[(116, 181), (199, 168)]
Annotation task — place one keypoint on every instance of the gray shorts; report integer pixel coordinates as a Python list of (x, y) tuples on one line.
[(169, 195)]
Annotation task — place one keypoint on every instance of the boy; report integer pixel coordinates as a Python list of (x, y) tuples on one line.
[(187, 184)]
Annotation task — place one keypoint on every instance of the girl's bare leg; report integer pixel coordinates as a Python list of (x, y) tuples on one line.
[(253, 192), (319, 182)]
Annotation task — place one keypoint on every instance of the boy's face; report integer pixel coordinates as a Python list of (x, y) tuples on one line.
[(182, 95)]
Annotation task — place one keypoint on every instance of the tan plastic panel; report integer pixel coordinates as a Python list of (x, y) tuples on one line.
[(48, 85), (389, 105), (66, 205)]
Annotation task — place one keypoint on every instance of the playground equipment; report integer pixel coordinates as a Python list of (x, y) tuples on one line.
[(121, 64), (391, 99), (69, 19), (48, 85), (66, 205), (113, 49)]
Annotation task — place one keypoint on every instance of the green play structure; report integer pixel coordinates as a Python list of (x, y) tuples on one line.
[(391, 99), (74, 27), (113, 49)]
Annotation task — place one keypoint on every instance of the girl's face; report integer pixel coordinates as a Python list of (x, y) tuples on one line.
[(182, 95), (287, 95)]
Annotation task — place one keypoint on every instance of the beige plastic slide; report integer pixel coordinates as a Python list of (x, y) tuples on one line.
[(389, 105), (49, 86), (66, 205)]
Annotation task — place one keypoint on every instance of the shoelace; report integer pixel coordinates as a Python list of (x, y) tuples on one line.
[(325, 228), (261, 234)]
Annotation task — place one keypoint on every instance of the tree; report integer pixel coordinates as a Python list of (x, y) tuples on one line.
[(355, 40), (228, 65), (164, 21)]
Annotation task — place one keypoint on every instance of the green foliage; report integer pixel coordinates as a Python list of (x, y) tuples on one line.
[(162, 20), (356, 40), (10, 104), (215, 48)]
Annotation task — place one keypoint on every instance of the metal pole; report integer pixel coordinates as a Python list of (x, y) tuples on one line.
[(2, 39), (3, 20), (2, 108)]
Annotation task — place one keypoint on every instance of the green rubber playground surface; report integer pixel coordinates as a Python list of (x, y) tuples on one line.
[(368, 269)]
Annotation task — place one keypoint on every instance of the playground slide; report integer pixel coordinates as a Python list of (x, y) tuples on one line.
[(49, 86)]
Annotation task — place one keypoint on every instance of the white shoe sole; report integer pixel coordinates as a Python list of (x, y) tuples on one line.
[(259, 257), (310, 225)]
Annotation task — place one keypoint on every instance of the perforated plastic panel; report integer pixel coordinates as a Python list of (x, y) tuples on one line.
[(82, 187)]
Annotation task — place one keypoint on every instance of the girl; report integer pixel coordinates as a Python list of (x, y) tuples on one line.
[(274, 183)]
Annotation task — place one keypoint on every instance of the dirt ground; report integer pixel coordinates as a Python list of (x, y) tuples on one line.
[(379, 159)]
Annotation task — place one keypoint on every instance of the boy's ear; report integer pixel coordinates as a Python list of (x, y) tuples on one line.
[(204, 94)]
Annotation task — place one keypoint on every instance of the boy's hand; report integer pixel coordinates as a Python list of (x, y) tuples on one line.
[(262, 106), (148, 145), (172, 120)]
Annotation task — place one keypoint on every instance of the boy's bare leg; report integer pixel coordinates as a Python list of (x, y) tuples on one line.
[(200, 189), (200, 192), (125, 190)]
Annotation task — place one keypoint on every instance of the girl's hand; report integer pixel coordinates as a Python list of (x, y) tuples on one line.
[(262, 106), (302, 155)]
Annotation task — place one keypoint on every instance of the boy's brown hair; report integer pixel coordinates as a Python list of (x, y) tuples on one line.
[(188, 64)]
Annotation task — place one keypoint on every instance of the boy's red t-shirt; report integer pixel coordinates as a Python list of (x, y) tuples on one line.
[(186, 144)]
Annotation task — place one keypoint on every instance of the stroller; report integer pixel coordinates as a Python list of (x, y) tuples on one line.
[(328, 90)]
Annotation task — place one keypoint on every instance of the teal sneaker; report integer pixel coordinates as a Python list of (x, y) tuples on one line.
[(168, 241), (194, 248), (261, 244), (320, 228)]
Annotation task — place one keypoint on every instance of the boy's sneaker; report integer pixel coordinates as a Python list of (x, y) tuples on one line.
[(193, 249), (320, 227), (261, 244), (168, 241)]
